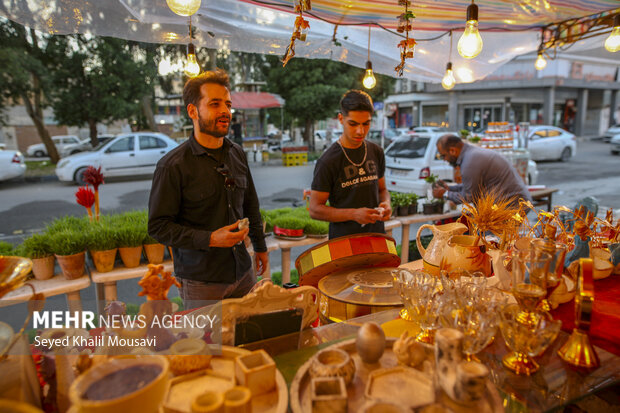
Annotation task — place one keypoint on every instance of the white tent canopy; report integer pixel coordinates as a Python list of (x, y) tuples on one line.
[(238, 25)]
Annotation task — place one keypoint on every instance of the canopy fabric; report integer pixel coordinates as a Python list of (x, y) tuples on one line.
[(247, 26), (254, 100)]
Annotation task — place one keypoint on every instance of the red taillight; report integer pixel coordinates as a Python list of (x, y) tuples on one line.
[(16, 159), (425, 172)]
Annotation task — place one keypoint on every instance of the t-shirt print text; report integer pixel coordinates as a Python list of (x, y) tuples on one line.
[(355, 175)]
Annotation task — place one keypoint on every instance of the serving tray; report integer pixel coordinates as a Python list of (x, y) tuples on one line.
[(365, 387)]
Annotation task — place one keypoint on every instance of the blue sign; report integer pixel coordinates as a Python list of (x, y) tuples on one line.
[(378, 105)]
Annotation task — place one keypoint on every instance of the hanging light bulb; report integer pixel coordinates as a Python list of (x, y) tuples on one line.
[(470, 43), (541, 62), (448, 80), (191, 68), (369, 78), (612, 44), (184, 7)]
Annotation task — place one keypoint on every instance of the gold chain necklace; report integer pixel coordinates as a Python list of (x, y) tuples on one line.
[(349, 159)]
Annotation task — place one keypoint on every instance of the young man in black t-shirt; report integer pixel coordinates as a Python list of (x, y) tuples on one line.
[(350, 175)]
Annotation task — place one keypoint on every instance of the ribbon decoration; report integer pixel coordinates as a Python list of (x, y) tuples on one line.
[(407, 46), (300, 31)]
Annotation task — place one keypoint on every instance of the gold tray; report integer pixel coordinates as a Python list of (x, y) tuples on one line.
[(386, 367), (220, 376)]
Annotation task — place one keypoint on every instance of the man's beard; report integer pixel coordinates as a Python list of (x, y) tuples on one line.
[(209, 126)]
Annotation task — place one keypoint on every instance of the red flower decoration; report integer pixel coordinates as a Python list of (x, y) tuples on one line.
[(85, 196), (93, 176)]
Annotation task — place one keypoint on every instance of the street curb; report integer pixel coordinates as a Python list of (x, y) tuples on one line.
[(44, 178)]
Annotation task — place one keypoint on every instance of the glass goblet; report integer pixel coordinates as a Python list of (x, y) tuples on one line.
[(529, 270)]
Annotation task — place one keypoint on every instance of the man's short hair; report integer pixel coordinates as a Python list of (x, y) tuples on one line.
[(356, 100), (449, 141), (191, 90)]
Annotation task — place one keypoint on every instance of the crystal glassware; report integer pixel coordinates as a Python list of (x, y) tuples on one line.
[(526, 341), (529, 272), (420, 292), (556, 266)]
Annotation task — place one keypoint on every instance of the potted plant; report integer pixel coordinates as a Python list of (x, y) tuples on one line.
[(289, 225), (317, 229), (394, 203), (154, 250), (37, 247), (101, 245), (433, 207), (464, 133), (69, 247), (6, 248), (130, 235), (413, 203), (402, 204)]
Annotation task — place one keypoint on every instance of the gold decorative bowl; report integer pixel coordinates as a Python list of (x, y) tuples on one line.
[(13, 273)]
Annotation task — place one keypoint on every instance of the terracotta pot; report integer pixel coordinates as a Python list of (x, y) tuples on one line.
[(72, 266), (104, 260), (155, 253), (131, 256), (43, 268)]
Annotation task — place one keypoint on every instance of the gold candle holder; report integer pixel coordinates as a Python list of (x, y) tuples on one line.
[(578, 351)]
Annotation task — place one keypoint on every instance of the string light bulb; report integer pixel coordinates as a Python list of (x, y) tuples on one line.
[(184, 7), (448, 80), (541, 62), (612, 43), (369, 78), (191, 68), (470, 43)]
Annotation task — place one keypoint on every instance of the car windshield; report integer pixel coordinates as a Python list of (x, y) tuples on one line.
[(409, 147)]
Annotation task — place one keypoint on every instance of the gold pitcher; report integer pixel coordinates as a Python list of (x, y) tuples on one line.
[(466, 253), (433, 254)]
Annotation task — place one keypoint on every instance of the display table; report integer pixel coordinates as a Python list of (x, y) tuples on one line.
[(543, 196), (56, 285), (554, 386)]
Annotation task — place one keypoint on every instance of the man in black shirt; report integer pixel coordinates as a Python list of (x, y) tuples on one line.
[(350, 174), (200, 192)]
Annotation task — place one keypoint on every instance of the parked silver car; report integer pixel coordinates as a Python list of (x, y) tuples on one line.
[(611, 132), (61, 141)]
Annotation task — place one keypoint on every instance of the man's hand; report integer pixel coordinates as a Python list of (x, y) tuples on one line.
[(438, 191), (227, 237), (387, 210), (262, 260), (366, 216)]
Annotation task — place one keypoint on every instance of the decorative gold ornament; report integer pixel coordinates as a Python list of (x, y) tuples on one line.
[(578, 350)]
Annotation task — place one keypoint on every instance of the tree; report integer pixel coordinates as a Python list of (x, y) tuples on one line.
[(101, 79), (24, 74), (313, 88)]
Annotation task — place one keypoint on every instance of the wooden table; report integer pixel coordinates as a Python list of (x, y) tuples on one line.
[(56, 285), (543, 197), (417, 219), (109, 279)]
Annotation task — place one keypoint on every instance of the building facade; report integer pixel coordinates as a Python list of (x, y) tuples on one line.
[(577, 92)]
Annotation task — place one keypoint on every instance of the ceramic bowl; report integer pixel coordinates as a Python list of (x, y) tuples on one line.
[(333, 362), (146, 397)]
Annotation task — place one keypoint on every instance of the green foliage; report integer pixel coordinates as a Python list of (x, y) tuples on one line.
[(68, 223), (290, 221), (431, 179), (130, 234), (398, 199), (464, 133), (276, 277), (100, 79), (68, 242), (179, 302), (474, 139), (37, 246), (314, 227), (412, 199), (101, 236), (6, 248)]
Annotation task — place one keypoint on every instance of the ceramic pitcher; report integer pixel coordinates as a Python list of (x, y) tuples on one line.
[(468, 253), (433, 254)]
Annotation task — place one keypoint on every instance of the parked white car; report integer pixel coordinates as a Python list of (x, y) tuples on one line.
[(11, 165), (551, 143), (61, 141), (615, 144), (128, 154), (85, 145), (611, 132), (410, 159)]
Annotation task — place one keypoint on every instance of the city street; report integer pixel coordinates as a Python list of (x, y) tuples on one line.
[(27, 207)]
